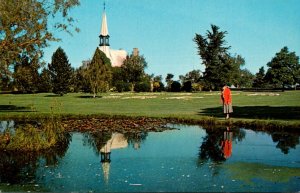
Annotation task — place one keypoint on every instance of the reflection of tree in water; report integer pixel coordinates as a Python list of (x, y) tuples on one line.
[(17, 167), (96, 140), (136, 138), (104, 142), (211, 147), (285, 141)]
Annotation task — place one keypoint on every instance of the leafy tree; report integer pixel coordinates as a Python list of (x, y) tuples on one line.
[(158, 86), (26, 77), (187, 86), (284, 68), (190, 79), (157, 78), (25, 30), (175, 86), (194, 76), (80, 82), (98, 72), (169, 81), (246, 79), (133, 69), (259, 80), (212, 50), (45, 84), (60, 72), (236, 76), (143, 86)]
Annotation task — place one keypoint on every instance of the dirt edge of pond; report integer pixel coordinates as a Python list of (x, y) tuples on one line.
[(137, 123)]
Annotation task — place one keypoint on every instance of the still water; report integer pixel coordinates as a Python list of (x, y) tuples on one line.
[(188, 158)]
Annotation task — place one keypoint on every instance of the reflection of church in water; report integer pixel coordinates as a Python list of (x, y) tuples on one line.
[(116, 141)]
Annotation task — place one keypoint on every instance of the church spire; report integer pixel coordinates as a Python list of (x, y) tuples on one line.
[(104, 37)]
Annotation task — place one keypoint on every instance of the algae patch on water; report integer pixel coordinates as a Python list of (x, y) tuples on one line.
[(248, 172)]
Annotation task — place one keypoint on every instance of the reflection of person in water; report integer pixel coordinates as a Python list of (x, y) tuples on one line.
[(227, 143)]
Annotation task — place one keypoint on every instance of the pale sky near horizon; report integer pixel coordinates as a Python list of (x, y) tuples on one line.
[(163, 30)]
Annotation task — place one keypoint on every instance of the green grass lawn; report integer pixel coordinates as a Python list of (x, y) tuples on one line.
[(247, 106)]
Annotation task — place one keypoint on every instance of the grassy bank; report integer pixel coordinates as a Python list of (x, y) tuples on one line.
[(263, 109)]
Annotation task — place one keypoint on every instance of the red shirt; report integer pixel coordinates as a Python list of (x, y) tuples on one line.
[(226, 96), (227, 148)]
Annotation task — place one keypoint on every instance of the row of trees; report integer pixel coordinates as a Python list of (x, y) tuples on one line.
[(221, 67), (97, 75), (25, 31)]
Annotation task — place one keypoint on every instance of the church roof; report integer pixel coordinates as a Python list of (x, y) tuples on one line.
[(104, 29)]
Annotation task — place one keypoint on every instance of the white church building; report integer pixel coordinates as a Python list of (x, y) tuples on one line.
[(116, 56)]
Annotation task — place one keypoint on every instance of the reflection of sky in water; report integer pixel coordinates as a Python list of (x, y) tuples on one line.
[(168, 161), (6, 125)]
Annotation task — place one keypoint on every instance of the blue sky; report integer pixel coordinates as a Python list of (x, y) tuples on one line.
[(163, 30)]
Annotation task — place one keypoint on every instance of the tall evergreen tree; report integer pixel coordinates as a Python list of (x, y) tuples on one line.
[(214, 55), (98, 73), (60, 72), (284, 68)]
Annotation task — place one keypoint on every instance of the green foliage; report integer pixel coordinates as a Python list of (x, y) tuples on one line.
[(187, 86), (133, 69), (251, 109), (25, 31), (142, 86), (158, 86), (197, 86), (259, 80), (246, 79), (61, 72), (80, 82), (45, 84), (121, 86), (98, 73), (192, 77), (214, 56), (169, 81), (238, 77), (33, 137), (26, 77), (220, 67), (284, 68), (252, 171), (175, 86)]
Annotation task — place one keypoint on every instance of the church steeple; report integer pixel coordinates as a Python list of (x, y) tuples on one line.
[(104, 37)]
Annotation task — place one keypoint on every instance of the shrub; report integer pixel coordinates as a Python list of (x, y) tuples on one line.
[(142, 87), (122, 86), (175, 86)]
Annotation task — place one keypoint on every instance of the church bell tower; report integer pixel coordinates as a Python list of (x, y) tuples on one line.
[(104, 36)]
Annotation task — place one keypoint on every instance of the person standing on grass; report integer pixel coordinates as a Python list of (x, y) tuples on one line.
[(227, 102)]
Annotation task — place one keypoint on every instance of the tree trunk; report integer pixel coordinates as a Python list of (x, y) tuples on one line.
[(94, 96)]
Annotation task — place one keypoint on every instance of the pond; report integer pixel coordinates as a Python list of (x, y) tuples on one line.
[(187, 158)]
